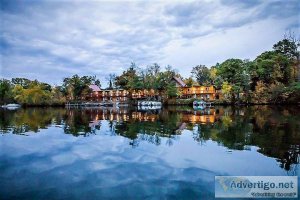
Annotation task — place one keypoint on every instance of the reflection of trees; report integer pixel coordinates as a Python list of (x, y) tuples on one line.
[(150, 131), (274, 131), (25, 120), (77, 123)]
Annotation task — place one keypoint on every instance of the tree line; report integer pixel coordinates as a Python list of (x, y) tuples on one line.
[(28, 92), (272, 77)]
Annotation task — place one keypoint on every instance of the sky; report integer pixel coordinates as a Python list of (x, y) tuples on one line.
[(50, 40)]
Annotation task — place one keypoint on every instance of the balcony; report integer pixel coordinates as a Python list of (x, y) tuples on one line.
[(191, 92)]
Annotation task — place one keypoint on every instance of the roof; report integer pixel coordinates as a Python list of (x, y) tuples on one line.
[(179, 81), (95, 88)]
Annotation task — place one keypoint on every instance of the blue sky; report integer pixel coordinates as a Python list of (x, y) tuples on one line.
[(50, 40)]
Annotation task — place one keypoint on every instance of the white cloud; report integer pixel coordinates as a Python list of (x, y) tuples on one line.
[(51, 40)]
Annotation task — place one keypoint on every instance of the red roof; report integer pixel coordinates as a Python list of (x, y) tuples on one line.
[(179, 81), (95, 88)]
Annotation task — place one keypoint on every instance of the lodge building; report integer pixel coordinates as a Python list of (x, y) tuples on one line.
[(207, 93)]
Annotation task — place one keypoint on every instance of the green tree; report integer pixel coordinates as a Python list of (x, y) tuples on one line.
[(172, 91), (202, 74), (123, 80), (189, 82), (226, 91), (271, 67), (236, 73), (32, 96), (76, 86), (6, 95), (24, 82), (287, 47)]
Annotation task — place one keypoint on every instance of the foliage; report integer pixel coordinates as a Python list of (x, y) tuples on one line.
[(127, 76), (172, 90), (189, 82), (151, 78), (270, 78), (34, 95), (6, 95), (288, 48), (202, 74), (226, 91), (76, 87)]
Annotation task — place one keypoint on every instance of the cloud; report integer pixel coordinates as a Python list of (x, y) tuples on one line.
[(49, 40)]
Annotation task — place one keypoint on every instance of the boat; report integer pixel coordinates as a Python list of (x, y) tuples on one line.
[(149, 105), (11, 106), (199, 105), (108, 104)]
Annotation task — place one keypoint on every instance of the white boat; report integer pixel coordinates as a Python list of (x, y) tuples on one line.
[(149, 103), (149, 107), (199, 105), (11, 106)]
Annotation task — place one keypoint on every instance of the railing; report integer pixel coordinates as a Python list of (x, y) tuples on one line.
[(109, 94), (198, 92)]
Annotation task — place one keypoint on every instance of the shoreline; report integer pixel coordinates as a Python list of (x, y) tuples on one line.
[(172, 105)]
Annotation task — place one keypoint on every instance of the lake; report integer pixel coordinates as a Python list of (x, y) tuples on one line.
[(173, 153)]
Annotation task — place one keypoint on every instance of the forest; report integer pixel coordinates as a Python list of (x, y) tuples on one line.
[(273, 77)]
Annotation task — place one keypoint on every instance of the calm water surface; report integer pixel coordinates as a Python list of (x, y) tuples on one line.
[(174, 153)]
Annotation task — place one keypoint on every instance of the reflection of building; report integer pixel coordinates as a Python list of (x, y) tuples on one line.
[(207, 93), (203, 119), (203, 116), (123, 115), (108, 114), (144, 116)]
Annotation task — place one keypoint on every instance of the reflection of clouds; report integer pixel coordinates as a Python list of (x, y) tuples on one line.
[(55, 164), (63, 159), (103, 164)]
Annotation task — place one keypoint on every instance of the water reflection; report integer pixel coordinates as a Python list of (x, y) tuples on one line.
[(275, 130)]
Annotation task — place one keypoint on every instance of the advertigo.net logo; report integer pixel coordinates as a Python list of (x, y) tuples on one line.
[(256, 186)]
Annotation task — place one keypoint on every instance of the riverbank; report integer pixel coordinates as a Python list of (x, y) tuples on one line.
[(179, 102), (182, 102)]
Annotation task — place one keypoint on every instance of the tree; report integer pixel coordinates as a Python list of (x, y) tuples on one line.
[(111, 81), (260, 93), (230, 70), (202, 74), (226, 90), (76, 86), (287, 47), (271, 67), (172, 91), (236, 73), (189, 82), (24, 82), (57, 96), (32, 96), (123, 80), (6, 95), (97, 82), (213, 74), (135, 83)]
